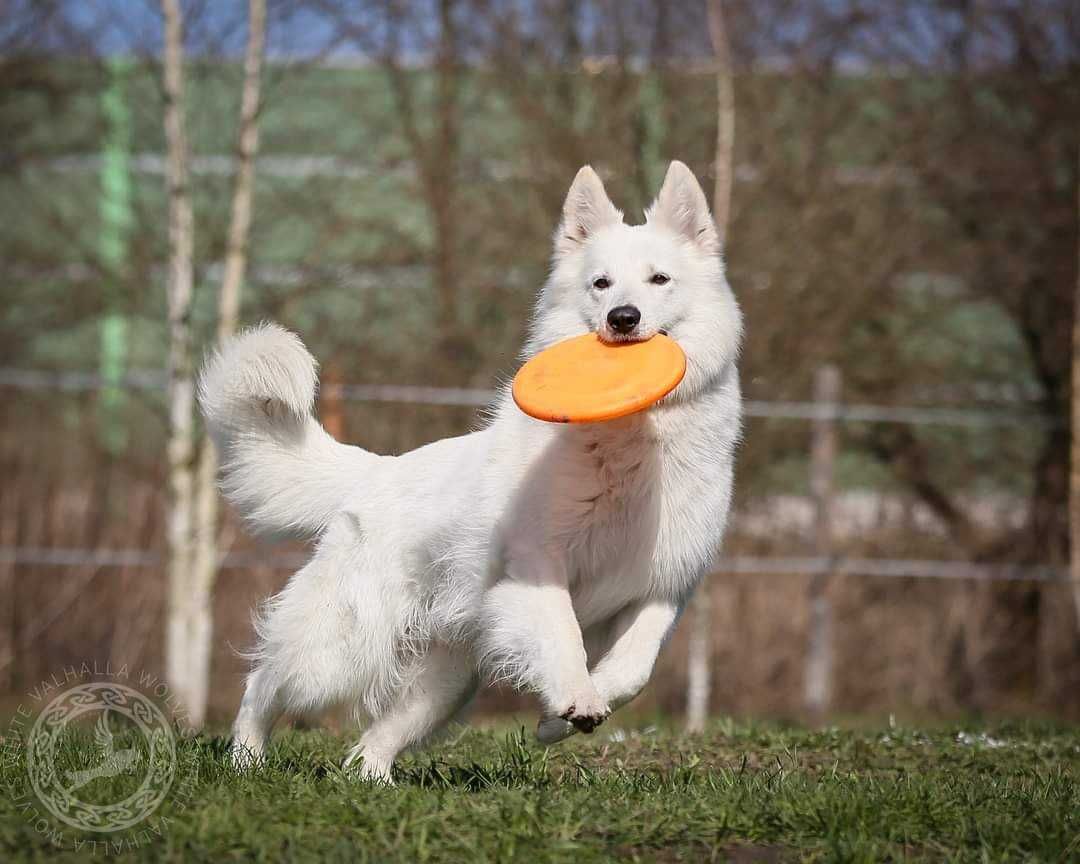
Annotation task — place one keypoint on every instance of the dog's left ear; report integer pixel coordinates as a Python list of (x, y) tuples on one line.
[(681, 207)]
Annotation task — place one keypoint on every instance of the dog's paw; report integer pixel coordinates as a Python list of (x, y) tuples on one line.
[(244, 757), (585, 715), (367, 766)]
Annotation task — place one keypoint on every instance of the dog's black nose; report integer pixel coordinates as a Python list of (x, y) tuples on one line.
[(623, 319)]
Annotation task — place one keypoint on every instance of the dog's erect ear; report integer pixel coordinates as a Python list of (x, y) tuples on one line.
[(587, 209), (681, 207)]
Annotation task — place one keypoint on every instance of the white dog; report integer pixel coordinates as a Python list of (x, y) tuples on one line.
[(556, 557)]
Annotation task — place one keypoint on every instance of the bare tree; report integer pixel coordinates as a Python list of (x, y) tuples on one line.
[(206, 562), (724, 159), (389, 31), (699, 681), (181, 394), (1024, 266), (193, 509)]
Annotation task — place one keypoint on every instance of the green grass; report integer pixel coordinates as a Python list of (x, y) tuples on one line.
[(740, 792)]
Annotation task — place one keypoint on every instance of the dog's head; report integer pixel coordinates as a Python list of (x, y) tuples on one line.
[(630, 282)]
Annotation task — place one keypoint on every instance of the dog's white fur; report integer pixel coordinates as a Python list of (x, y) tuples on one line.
[(555, 557)]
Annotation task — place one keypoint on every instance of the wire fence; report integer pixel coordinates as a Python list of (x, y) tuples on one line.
[(894, 568), (472, 397), (819, 565)]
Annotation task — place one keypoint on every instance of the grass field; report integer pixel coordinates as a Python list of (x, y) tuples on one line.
[(740, 792)]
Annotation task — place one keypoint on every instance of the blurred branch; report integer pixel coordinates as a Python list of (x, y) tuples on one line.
[(723, 164), (435, 153), (898, 447), (247, 148), (1074, 475)]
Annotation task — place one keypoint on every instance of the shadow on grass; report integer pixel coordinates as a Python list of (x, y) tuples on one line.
[(517, 763)]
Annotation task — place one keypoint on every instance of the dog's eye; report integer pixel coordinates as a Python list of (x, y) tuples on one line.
[(601, 283), (659, 278)]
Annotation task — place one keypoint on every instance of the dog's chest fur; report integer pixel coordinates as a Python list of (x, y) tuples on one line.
[(603, 511), (615, 511), (659, 494), (615, 489)]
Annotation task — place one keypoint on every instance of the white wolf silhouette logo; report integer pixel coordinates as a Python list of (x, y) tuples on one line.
[(114, 762)]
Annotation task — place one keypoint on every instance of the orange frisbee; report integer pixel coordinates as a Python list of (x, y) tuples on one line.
[(584, 379)]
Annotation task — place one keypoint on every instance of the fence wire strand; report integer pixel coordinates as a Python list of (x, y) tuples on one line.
[(892, 568), (475, 397)]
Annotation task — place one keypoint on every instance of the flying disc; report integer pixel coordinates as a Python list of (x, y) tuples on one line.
[(585, 380)]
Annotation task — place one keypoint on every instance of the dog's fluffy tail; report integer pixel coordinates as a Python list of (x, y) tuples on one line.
[(280, 468)]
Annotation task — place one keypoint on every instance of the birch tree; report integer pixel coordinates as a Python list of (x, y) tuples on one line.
[(193, 573), (181, 382), (206, 558), (698, 673)]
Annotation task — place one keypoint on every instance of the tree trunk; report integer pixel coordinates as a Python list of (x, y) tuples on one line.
[(699, 659), (206, 561), (1074, 428), (181, 386), (724, 158), (436, 155), (442, 157)]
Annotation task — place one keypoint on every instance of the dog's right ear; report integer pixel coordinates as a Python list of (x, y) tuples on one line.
[(682, 207), (587, 209)]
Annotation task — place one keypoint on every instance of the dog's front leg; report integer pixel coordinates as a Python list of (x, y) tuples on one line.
[(624, 670), (532, 637)]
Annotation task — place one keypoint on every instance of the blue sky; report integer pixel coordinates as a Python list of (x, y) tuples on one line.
[(134, 26), (918, 30)]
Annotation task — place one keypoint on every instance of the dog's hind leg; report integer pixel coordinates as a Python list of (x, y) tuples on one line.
[(259, 710), (444, 682), (311, 644)]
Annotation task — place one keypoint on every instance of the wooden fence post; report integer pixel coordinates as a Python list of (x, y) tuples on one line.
[(332, 402), (699, 658), (819, 659)]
